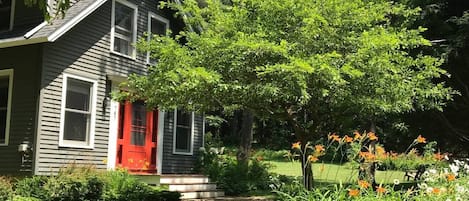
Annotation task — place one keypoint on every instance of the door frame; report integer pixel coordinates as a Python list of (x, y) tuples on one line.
[(113, 130)]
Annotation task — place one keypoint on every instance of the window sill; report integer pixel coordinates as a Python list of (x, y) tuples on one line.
[(183, 153), (123, 55), (4, 145), (77, 146)]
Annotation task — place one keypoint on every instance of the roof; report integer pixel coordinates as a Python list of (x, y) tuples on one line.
[(54, 29)]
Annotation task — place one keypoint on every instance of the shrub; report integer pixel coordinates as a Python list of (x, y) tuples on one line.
[(31, 187), (6, 190), (271, 155)]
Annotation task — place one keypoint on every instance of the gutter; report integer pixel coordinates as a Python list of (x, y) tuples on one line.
[(35, 30)]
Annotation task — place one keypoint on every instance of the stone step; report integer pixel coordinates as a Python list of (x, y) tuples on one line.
[(184, 179), (186, 187), (202, 194)]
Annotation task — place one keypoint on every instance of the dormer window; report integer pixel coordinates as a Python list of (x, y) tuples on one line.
[(6, 14), (124, 28)]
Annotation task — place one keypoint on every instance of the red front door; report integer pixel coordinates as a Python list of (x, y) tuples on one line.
[(137, 134)]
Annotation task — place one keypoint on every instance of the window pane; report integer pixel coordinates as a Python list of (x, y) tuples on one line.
[(124, 16), (122, 46), (76, 126), (78, 95), (183, 118), (139, 121), (5, 9), (158, 27), (183, 139)]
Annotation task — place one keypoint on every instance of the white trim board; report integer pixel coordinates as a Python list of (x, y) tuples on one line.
[(9, 73), (94, 96), (159, 143)]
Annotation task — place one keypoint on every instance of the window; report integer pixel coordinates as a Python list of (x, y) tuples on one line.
[(6, 83), (156, 25), (6, 14), (78, 112), (124, 28), (183, 132)]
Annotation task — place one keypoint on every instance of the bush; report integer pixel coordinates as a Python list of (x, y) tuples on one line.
[(6, 190), (271, 155), (31, 187), (86, 184), (234, 178)]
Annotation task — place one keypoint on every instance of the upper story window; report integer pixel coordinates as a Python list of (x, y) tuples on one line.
[(157, 25), (6, 82), (183, 137), (6, 14), (124, 28), (78, 112)]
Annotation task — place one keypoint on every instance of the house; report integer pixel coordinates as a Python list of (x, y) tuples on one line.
[(55, 83)]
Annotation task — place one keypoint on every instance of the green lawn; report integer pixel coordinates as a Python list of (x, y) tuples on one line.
[(332, 173)]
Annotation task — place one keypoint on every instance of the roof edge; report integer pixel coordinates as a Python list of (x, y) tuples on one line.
[(22, 41), (74, 21)]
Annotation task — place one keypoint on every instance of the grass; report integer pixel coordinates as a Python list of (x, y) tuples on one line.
[(333, 173)]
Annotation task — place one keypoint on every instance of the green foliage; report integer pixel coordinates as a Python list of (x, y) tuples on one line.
[(6, 191), (32, 187), (232, 177), (76, 183)]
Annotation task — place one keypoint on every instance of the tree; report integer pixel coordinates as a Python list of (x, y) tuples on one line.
[(60, 7), (308, 63)]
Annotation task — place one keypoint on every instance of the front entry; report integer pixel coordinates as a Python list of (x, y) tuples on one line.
[(137, 136)]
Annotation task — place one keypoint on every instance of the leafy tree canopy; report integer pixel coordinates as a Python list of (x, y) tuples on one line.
[(305, 61)]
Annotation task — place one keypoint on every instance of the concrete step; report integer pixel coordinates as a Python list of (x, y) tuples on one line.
[(149, 178), (192, 187), (202, 194), (182, 179)]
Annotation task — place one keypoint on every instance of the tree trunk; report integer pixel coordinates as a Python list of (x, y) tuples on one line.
[(306, 169), (245, 140)]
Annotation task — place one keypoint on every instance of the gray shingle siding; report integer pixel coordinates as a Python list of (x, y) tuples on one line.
[(85, 51), (25, 62), (175, 163)]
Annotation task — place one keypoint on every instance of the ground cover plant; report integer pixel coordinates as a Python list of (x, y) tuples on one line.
[(78, 183)]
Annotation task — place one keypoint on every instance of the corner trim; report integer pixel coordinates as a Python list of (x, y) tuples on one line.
[(159, 145)]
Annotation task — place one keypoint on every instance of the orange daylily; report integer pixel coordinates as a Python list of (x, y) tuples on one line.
[(353, 192), (367, 155), (421, 139), (312, 158), (380, 150), (363, 184), (451, 177), (436, 191), (357, 135), (372, 136), (296, 145), (319, 148), (438, 156), (334, 137), (348, 139), (380, 190)]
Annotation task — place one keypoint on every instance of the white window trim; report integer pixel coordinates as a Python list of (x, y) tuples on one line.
[(9, 73), (12, 16), (72, 143), (152, 15), (174, 135), (134, 27)]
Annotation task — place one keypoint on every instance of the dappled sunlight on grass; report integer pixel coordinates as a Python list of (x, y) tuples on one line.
[(333, 173)]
